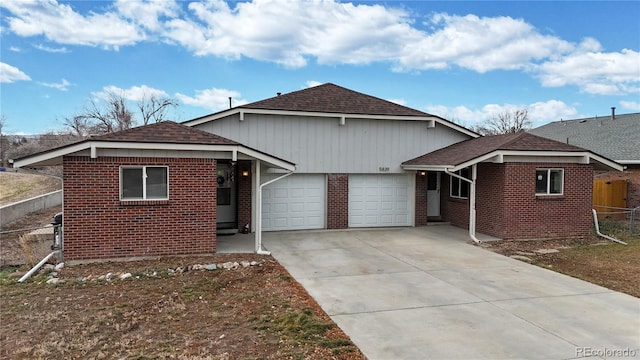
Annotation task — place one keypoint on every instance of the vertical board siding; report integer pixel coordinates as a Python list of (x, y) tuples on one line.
[(321, 145)]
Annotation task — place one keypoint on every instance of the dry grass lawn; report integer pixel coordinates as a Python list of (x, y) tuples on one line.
[(20, 186), (256, 312)]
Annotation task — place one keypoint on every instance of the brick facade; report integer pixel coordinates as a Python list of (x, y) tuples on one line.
[(421, 200), (97, 225), (243, 198), (507, 207), (337, 201), (632, 175)]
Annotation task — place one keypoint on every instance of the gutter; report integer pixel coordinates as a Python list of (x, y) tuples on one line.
[(472, 199)]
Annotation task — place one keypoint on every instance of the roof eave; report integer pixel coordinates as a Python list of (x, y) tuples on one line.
[(55, 157), (241, 111)]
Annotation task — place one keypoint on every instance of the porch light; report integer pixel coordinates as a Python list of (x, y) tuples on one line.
[(245, 173), (423, 173)]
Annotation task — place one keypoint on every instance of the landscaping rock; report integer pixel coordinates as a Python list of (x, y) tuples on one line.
[(245, 263), (59, 266), (210, 267), (198, 267), (124, 276), (53, 281), (230, 265), (48, 267)]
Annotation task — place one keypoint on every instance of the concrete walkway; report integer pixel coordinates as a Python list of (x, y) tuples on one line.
[(424, 293)]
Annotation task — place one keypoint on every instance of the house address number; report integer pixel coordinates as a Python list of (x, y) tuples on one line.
[(383, 169)]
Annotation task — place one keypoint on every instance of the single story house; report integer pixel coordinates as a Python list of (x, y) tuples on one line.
[(325, 157), (616, 136)]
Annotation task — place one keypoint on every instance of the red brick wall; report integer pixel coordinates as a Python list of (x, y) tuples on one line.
[(98, 225), (453, 210), (490, 212), (421, 200), (508, 208), (244, 189), (632, 175), (337, 201)]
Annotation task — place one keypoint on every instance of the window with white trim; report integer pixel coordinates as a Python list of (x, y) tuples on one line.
[(459, 188), (549, 181), (144, 183)]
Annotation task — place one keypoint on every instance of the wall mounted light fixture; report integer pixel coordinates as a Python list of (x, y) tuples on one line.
[(245, 173)]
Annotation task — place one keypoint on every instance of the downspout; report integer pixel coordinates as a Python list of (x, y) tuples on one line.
[(258, 236), (38, 265), (472, 200), (595, 221)]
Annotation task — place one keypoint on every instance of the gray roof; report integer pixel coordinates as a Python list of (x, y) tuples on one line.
[(617, 139)]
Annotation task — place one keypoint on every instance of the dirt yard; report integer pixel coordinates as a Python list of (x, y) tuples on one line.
[(167, 309), (598, 261), (19, 186)]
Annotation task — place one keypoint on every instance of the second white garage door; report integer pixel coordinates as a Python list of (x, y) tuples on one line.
[(379, 200), (297, 202)]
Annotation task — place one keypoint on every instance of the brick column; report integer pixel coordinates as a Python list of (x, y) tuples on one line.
[(244, 190), (337, 201), (421, 200)]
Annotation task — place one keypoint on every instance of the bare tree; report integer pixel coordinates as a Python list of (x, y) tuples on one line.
[(155, 108), (506, 122), (113, 114)]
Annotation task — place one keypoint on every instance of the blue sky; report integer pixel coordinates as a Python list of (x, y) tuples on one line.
[(463, 60)]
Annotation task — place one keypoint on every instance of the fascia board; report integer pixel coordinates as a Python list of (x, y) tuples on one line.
[(50, 155)]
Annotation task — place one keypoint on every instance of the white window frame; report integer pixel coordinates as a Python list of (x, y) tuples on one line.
[(548, 189), (144, 182), (461, 183)]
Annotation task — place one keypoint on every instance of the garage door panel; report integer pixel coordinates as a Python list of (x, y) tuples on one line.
[(296, 202), (379, 200)]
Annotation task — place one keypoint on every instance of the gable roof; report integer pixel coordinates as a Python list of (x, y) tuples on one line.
[(330, 100), (617, 138), (494, 148), (166, 135)]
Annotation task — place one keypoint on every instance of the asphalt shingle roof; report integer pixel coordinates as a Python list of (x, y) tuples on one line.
[(165, 132), (332, 98), (464, 151), (617, 139)]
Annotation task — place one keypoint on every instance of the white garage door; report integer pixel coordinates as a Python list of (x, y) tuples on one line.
[(296, 202), (379, 200)]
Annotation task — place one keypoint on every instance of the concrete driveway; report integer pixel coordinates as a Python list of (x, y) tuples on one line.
[(424, 293)]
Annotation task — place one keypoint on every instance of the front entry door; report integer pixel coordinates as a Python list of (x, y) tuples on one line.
[(433, 194), (226, 211)]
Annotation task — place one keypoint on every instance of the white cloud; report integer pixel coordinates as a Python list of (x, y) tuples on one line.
[(62, 50), (539, 112), (148, 13), (594, 72), (212, 99), (312, 83), (9, 74), (631, 105), (293, 33), (62, 24), (62, 86), (134, 93), (15, 49)]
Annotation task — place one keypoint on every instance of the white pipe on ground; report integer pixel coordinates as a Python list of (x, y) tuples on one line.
[(38, 265), (595, 221)]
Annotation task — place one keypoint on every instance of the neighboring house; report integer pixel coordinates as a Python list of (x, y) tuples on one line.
[(616, 137), (325, 157)]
